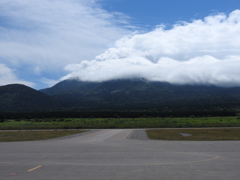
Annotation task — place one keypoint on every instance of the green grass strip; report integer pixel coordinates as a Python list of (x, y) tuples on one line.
[(111, 123)]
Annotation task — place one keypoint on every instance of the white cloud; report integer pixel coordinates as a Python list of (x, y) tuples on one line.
[(200, 52), (7, 76), (47, 35)]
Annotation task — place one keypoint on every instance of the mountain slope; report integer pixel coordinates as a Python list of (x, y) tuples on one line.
[(69, 87), (139, 93), (20, 98)]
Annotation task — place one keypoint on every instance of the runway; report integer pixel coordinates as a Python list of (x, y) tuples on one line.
[(117, 155)]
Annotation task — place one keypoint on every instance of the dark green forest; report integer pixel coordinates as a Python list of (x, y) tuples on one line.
[(118, 98)]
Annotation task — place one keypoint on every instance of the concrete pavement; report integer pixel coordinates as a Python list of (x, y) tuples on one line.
[(119, 154)]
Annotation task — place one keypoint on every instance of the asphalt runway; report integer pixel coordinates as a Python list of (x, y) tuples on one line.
[(118, 155)]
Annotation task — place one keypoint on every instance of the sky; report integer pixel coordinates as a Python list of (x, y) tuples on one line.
[(43, 42)]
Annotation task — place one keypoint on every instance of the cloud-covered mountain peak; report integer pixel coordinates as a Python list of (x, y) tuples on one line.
[(199, 52)]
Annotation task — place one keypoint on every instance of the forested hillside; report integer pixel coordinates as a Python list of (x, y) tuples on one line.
[(128, 98), (20, 98), (139, 93)]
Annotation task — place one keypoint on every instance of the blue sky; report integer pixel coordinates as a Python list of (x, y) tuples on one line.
[(148, 14), (179, 41)]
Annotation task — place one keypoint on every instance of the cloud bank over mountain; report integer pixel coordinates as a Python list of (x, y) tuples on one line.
[(199, 52), (39, 38)]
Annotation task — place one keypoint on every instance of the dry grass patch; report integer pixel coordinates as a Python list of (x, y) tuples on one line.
[(10, 136), (197, 134)]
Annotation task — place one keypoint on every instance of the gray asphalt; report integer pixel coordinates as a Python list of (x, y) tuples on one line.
[(119, 155)]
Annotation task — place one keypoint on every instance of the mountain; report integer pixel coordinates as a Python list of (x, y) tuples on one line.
[(20, 98), (74, 95), (68, 87), (140, 93)]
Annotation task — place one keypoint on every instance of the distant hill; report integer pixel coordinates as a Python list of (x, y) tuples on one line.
[(74, 95), (20, 98), (139, 93)]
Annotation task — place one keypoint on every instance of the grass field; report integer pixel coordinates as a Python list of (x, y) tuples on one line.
[(195, 134), (11, 136), (111, 123)]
